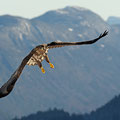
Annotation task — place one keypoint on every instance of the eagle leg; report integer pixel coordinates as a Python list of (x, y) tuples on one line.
[(41, 67), (43, 70), (47, 59), (51, 65)]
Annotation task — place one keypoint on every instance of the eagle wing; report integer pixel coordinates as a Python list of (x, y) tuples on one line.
[(9, 85), (62, 44)]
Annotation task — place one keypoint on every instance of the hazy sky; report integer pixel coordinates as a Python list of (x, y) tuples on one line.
[(32, 8)]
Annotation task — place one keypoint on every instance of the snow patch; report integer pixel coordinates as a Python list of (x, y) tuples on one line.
[(70, 29), (21, 37), (58, 41), (79, 8), (102, 45), (60, 11), (85, 23), (76, 8), (25, 27)]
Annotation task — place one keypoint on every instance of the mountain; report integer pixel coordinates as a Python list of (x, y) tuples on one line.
[(54, 114), (110, 111), (84, 78), (113, 20)]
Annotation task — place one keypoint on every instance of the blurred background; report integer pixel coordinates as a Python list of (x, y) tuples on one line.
[(85, 82)]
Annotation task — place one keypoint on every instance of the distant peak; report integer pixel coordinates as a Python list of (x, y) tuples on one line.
[(62, 11), (71, 9), (112, 20), (76, 8)]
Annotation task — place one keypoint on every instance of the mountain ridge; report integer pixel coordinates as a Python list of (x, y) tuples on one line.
[(113, 20), (109, 111)]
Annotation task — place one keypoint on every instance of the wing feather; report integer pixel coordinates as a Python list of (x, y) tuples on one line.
[(9, 85), (62, 44)]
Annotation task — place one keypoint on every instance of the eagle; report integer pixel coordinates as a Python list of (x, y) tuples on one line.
[(36, 56)]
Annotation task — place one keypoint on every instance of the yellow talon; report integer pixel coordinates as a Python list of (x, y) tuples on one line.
[(43, 70), (51, 65)]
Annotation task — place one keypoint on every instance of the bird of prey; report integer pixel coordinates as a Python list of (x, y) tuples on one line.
[(36, 56)]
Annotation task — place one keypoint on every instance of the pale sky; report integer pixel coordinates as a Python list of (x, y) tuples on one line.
[(33, 8)]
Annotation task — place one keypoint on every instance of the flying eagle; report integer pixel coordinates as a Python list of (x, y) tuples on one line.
[(36, 56)]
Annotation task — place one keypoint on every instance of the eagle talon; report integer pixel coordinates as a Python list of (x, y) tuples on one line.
[(43, 70), (51, 65)]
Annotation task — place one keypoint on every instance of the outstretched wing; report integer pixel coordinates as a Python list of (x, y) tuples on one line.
[(9, 85), (62, 44)]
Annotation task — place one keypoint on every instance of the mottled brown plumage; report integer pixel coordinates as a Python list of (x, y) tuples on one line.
[(35, 57)]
